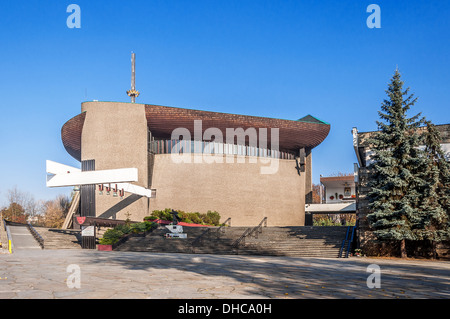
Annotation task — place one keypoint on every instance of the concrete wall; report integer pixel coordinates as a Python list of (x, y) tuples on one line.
[(115, 135), (308, 177), (236, 190)]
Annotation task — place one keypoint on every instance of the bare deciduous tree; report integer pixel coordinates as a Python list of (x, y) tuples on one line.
[(56, 211)]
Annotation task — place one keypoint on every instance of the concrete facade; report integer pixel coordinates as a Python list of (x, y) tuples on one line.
[(235, 190), (115, 136)]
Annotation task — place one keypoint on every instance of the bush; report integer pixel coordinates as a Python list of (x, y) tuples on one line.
[(141, 227), (160, 214), (123, 228), (150, 225), (210, 218), (112, 236), (196, 218), (214, 217), (340, 220)]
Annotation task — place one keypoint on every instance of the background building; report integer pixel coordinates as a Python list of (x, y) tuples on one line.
[(338, 196)]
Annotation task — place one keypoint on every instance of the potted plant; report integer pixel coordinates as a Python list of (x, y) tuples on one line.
[(110, 237), (341, 196), (105, 245), (331, 197)]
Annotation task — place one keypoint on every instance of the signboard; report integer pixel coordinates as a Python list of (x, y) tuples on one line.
[(176, 231), (176, 235), (88, 237), (175, 228), (87, 230)]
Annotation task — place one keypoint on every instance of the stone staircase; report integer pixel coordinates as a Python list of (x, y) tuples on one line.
[(156, 242), (304, 241), (60, 238), (300, 241)]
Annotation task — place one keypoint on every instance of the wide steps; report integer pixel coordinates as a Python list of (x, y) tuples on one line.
[(309, 241), (304, 248), (156, 242), (59, 238)]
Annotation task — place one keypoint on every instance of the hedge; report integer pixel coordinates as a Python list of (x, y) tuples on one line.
[(210, 218)]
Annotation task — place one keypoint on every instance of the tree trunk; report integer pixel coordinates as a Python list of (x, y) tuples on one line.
[(403, 248), (434, 249)]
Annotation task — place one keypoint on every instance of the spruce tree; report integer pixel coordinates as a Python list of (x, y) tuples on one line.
[(433, 150), (394, 195), (435, 202)]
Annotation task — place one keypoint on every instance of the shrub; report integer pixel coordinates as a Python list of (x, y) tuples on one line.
[(138, 227), (210, 218), (161, 214), (196, 218), (214, 217), (112, 236), (123, 228), (149, 225)]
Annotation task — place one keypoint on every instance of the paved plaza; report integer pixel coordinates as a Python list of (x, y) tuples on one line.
[(80, 274)]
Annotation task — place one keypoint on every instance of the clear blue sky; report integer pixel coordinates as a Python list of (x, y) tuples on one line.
[(281, 59)]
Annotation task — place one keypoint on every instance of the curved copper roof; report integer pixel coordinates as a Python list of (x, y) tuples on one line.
[(307, 132), (71, 135)]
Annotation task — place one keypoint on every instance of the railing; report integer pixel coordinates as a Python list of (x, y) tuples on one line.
[(249, 232), (348, 240), (8, 235), (241, 239), (199, 240), (343, 242), (222, 227), (36, 235), (258, 229)]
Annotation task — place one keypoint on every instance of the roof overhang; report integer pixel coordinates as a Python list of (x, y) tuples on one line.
[(163, 120), (349, 207)]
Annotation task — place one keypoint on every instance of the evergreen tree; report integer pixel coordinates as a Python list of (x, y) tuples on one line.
[(394, 196), (435, 202), (435, 153)]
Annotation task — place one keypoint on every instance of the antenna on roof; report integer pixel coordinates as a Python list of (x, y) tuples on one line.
[(133, 93)]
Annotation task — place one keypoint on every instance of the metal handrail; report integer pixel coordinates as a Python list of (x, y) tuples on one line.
[(36, 235), (249, 232), (350, 242), (199, 239), (238, 241), (258, 228), (8, 234), (221, 228), (344, 241)]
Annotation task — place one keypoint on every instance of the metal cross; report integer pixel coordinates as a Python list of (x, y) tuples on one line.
[(133, 93)]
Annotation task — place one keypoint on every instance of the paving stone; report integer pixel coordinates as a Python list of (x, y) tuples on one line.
[(42, 274)]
